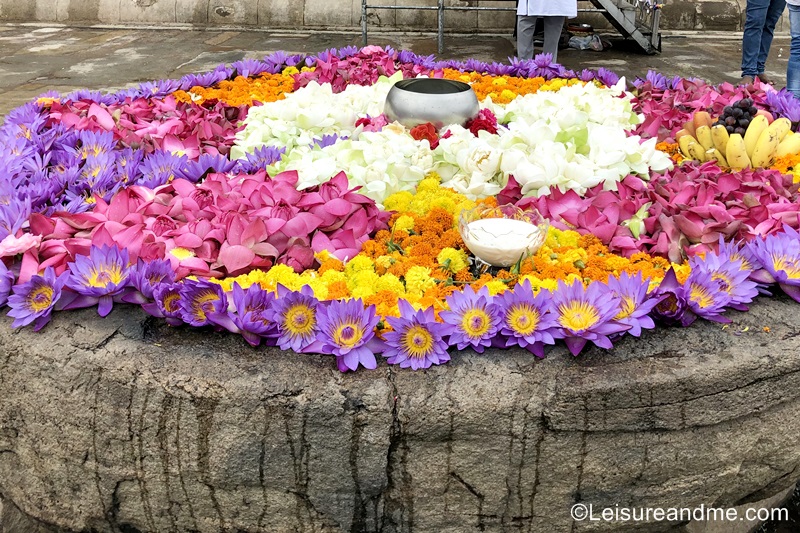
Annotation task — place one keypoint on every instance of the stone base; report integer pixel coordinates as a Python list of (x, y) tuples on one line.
[(124, 424)]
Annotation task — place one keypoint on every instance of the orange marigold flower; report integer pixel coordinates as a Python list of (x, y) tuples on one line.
[(338, 290), (331, 264)]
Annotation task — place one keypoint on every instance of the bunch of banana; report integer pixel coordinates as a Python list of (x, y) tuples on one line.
[(697, 140), (760, 145)]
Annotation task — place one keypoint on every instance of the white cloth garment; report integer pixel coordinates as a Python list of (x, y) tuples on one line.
[(536, 8)]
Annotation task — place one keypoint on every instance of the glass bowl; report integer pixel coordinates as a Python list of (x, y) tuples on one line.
[(439, 101), (502, 235)]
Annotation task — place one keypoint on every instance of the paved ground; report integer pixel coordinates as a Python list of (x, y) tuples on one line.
[(36, 58)]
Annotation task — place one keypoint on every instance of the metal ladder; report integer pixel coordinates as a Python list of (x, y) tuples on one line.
[(634, 19)]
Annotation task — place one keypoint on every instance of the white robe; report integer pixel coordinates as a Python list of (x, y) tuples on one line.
[(558, 8)]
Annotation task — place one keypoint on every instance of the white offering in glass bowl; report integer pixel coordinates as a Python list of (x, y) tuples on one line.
[(502, 235)]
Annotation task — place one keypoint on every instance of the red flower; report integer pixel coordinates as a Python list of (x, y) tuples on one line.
[(426, 131), (485, 121)]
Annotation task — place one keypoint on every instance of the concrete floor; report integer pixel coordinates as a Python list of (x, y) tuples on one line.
[(35, 58)]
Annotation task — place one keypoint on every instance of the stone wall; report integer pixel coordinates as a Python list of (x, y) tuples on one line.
[(725, 15), (124, 424)]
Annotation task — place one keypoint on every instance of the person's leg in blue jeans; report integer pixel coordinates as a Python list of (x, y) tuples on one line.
[(760, 19), (793, 67), (774, 12)]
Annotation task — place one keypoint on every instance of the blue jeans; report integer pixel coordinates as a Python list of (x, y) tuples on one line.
[(793, 67), (759, 25)]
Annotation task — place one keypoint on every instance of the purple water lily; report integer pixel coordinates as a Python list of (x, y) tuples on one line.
[(635, 303), (253, 307), (473, 319), (416, 340), (527, 319), (347, 330), (97, 279), (295, 315), (587, 314), (34, 301), (673, 302)]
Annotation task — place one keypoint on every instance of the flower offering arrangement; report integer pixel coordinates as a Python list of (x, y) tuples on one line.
[(274, 199)]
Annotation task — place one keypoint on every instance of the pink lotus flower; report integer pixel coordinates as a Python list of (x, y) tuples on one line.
[(13, 244)]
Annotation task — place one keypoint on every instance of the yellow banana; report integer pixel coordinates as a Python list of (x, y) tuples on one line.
[(736, 153), (720, 137), (790, 145), (715, 155), (683, 143), (781, 126), (703, 134), (696, 151), (764, 151), (753, 132)]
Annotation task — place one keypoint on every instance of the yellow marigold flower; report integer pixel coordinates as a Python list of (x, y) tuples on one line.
[(499, 81), (226, 283), (616, 262), (576, 254), (429, 184), (452, 259), (682, 271), (384, 262), (508, 95), (363, 280), (496, 287), (322, 256), (332, 276), (443, 202), (418, 278), (390, 282), (399, 201), (319, 287), (289, 71), (359, 263), (284, 275), (404, 223)]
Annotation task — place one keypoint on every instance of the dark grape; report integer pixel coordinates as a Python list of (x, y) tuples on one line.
[(753, 110), (729, 129), (730, 121), (740, 131), (744, 122), (738, 112), (727, 111), (744, 103)]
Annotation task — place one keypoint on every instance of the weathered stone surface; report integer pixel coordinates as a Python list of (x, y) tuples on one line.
[(125, 424)]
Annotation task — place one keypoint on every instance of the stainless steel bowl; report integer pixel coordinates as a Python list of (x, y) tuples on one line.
[(438, 101)]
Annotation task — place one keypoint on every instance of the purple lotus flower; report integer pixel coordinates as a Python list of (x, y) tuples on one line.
[(6, 282), (416, 340), (706, 297), (634, 302), (196, 171), (145, 277), (167, 303), (731, 276), (473, 318), (253, 306), (587, 314), (34, 301), (260, 159), (673, 302), (347, 330), (97, 279), (779, 256), (527, 319), (295, 315), (204, 303)]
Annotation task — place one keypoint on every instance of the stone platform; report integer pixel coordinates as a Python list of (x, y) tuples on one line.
[(124, 424)]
